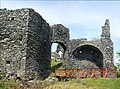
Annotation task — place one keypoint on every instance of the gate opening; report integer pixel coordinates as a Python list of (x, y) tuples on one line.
[(89, 56)]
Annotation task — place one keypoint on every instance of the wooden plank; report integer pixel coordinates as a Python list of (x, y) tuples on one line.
[(93, 72)]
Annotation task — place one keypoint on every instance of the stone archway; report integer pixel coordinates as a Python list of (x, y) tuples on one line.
[(89, 56), (60, 51)]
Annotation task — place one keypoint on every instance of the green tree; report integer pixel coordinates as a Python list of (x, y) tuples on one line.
[(118, 64), (118, 53)]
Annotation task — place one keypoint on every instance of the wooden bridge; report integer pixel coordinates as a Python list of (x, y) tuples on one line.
[(84, 73)]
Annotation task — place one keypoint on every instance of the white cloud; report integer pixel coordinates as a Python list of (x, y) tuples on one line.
[(90, 15)]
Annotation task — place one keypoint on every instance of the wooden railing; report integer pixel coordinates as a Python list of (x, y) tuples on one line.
[(93, 72)]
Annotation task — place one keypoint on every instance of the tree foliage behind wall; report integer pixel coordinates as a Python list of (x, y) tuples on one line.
[(118, 64)]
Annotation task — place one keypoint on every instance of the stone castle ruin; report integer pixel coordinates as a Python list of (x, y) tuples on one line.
[(26, 39)]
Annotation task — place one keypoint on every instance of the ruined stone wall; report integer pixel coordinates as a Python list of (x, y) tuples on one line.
[(83, 53), (91, 54), (75, 43), (60, 35), (13, 41), (107, 45), (38, 48), (26, 39), (24, 43)]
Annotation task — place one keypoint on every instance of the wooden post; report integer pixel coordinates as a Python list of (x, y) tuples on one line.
[(115, 72), (106, 73)]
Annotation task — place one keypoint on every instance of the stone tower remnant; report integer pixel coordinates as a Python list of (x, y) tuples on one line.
[(24, 43), (107, 45)]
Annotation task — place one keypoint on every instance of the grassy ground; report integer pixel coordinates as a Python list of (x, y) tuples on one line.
[(91, 83), (102, 83), (55, 64)]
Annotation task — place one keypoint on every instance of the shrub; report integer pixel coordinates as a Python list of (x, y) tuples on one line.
[(118, 74), (2, 75)]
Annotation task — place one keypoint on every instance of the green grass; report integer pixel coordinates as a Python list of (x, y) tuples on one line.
[(73, 84), (91, 83), (102, 83), (55, 64), (9, 84)]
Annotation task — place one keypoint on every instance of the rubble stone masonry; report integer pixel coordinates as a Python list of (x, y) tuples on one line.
[(25, 45)]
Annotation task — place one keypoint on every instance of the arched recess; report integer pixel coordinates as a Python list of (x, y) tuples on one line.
[(60, 48), (88, 55)]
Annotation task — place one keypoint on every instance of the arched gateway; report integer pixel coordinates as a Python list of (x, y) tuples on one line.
[(60, 35), (88, 56)]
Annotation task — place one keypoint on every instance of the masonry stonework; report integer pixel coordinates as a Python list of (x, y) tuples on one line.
[(24, 43), (97, 53), (60, 35), (26, 39)]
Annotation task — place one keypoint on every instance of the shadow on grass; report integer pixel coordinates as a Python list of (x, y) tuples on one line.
[(56, 67)]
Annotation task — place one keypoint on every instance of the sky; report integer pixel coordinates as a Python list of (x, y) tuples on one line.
[(83, 18)]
